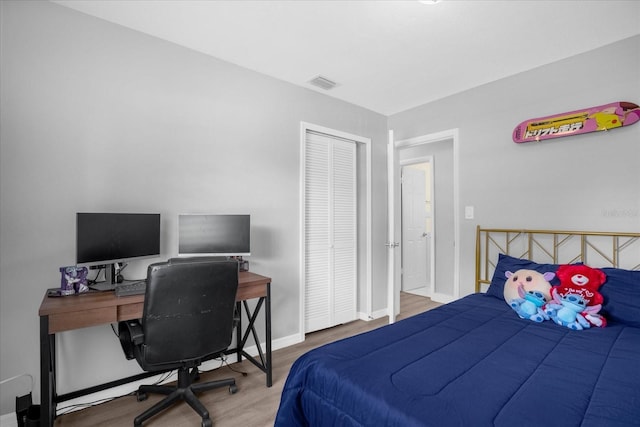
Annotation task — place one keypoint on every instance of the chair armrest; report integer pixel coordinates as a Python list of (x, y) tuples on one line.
[(131, 335)]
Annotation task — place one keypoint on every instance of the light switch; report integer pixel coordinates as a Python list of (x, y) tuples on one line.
[(468, 212)]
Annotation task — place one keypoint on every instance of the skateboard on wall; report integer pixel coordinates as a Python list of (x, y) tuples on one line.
[(594, 119)]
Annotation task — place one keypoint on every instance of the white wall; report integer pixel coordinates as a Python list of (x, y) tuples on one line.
[(98, 117), (584, 182)]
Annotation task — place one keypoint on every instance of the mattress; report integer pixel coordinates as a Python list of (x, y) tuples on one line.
[(472, 362)]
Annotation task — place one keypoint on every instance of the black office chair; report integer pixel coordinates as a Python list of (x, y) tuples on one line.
[(188, 317)]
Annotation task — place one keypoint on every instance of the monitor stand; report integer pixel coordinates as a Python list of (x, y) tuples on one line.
[(109, 283), (103, 286)]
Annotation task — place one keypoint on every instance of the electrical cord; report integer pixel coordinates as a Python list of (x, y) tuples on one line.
[(165, 376), (95, 279), (223, 362), (75, 407), (19, 376), (121, 269)]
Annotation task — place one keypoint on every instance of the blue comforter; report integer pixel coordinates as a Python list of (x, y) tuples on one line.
[(472, 362)]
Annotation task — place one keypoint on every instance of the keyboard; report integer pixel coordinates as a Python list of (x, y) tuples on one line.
[(131, 288)]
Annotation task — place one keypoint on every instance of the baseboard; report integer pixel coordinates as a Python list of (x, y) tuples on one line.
[(275, 344), (375, 315), (379, 313), (418, 291), (442, 298)]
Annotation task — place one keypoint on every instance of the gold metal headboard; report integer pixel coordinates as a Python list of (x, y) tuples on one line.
[(595, 248)]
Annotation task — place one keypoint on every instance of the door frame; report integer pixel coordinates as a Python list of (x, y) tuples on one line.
[(431, 247), (365, 202), (393, 285)]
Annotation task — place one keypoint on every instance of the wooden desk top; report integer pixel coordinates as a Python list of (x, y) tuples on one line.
[(94, 308)]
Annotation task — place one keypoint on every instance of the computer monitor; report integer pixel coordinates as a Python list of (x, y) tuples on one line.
[(108, 238), (214, 235)]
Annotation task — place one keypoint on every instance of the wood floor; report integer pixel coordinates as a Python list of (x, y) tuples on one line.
[(254, 405)]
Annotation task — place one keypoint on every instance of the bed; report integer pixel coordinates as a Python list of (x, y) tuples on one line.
[(475, 362)]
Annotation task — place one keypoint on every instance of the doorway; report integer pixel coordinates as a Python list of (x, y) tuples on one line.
[(417, 204), (444, 147)]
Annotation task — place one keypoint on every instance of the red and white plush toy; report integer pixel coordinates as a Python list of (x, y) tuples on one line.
[(580, 282)]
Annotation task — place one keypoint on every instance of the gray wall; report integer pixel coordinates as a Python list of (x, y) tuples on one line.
[(96, 117), (584, 182)]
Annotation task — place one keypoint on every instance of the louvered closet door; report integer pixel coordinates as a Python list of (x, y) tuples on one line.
[(330, 231)]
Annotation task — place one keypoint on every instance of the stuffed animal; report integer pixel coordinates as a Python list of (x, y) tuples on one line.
[(530, 279), (527, 291), (577, 292), (570, 310)]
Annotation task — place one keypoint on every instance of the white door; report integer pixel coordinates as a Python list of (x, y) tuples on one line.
[(330, 231), (393, 300), (416, 228)]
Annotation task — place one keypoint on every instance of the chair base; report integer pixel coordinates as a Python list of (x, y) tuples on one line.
[(183, 390)]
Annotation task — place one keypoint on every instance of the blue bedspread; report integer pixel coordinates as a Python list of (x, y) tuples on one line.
[(469, 363)]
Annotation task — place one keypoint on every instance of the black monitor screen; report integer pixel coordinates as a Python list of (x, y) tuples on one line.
[(103, 238), (214, 235)]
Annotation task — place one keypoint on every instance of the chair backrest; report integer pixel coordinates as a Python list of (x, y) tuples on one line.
[(188, 310)]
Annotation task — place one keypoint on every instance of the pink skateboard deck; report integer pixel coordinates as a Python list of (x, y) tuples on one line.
[(594, 119)]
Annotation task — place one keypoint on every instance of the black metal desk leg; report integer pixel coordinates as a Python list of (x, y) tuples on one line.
[(267, 317), (47, 374), (239, 332)]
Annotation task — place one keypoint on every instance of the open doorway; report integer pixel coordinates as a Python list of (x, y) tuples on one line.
[(443, 146), (417, 203)]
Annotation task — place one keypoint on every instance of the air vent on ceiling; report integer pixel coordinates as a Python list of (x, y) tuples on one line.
[(323, 82)]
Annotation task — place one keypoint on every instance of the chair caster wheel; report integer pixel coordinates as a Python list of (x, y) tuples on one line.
[(207, 422), (233, 389), (141, 396)]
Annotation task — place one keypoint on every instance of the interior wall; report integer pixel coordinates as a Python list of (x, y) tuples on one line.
[(96, 117), (583, 182)]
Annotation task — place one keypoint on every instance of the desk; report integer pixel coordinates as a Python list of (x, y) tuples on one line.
[(97, 308)]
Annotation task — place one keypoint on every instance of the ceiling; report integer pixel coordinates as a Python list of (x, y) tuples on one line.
[(386, 56)]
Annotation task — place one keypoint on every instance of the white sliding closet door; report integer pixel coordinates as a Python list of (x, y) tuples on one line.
[(330, 231)]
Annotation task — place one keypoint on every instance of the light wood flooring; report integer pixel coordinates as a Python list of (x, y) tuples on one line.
[(254, 405)]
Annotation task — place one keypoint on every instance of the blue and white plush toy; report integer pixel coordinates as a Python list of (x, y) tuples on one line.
[(570, 310), (533, 291)]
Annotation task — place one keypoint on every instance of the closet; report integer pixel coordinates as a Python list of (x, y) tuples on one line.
[(330, 231)]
